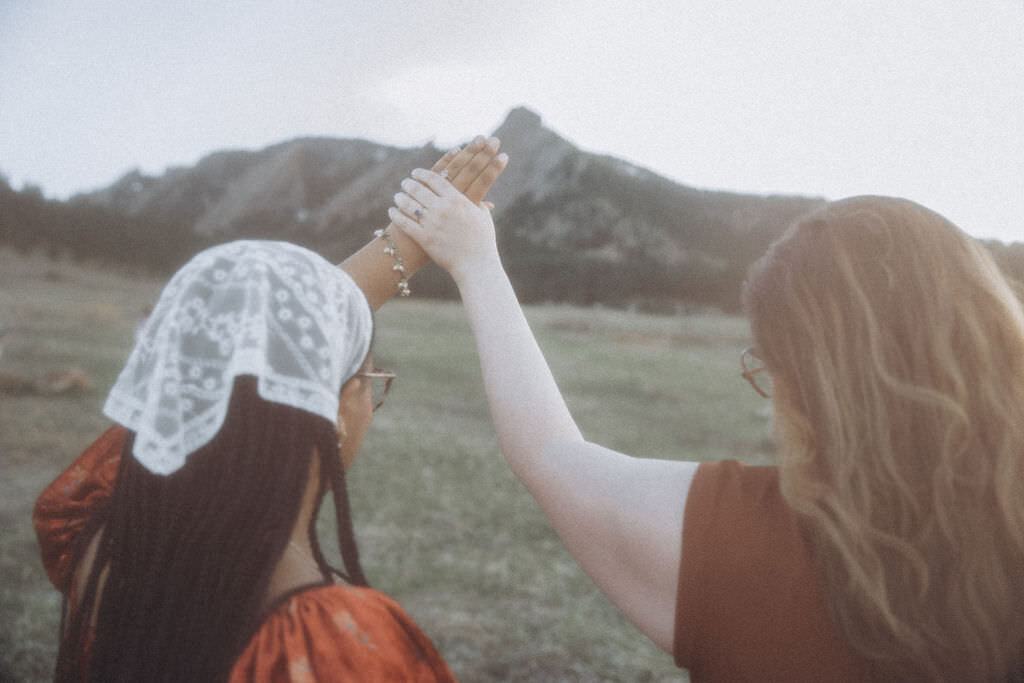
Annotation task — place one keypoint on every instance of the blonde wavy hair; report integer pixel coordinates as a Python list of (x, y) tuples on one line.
[(896, 348)]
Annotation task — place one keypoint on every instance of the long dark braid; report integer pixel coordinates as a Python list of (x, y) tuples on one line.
[(335, 477), (190, 555)]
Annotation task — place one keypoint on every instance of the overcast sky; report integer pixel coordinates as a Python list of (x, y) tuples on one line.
[(922, 99)]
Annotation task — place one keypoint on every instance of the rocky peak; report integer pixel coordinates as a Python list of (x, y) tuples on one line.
[(520, 122), (539, 159)]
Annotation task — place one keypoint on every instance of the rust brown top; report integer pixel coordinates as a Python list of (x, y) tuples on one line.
[(750, 603)]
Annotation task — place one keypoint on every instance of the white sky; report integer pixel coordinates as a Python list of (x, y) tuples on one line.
[(922, 99)]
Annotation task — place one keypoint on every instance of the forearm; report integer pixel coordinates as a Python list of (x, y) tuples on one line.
[(372, 268), (65, 507), (619, 516), (527, 408)]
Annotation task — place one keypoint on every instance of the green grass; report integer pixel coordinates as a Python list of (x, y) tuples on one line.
[(442, 524)]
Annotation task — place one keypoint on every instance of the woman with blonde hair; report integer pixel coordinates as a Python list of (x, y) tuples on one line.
[(888, 541), (896, 350)]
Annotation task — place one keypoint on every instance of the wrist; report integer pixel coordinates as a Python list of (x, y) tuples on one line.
[(391, 249), (478, 274), (412, 252)]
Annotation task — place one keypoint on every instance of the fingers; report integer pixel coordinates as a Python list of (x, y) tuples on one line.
[(432, 183), (411, 227), (408, 205), (478, 188), (445, 161), (458, 159), (473, 167), (425, 195)]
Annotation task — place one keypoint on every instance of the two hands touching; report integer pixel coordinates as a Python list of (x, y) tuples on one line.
[(474, 168), (455, 232), (471, 170)]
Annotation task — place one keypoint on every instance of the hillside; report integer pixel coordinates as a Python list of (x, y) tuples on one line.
[(574, 226)]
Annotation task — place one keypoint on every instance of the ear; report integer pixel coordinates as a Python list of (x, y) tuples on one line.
[(347, 401)]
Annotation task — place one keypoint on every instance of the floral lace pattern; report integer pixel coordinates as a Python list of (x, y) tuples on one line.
[(273, 310)]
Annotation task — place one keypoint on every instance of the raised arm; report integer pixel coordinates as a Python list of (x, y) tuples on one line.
[(472, 170), (620, 517)]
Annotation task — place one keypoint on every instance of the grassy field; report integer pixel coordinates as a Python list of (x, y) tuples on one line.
[(442, 525)]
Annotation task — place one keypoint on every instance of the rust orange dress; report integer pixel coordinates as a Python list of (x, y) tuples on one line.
[(332, 632)]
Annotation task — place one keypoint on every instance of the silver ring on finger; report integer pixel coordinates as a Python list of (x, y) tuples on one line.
[(419, 213)]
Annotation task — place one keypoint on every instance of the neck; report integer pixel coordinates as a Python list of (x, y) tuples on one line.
[(303, 555), (296, 567), (300, 532)]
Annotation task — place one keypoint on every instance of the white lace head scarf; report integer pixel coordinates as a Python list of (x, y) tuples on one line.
[(272, 310)]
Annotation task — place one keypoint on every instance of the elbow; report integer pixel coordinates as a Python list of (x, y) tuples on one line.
[(526, 460)]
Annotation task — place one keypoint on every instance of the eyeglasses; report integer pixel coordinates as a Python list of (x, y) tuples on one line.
[(755, 372), (381, 384)]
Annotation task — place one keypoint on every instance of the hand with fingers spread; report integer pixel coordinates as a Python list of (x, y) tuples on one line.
[(456, 233)]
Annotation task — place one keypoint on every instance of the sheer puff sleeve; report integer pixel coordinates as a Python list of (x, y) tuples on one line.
[(65, 506), (340, 633)]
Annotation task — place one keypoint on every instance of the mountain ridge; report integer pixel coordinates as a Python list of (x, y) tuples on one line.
[(573, 226), (559, 210)]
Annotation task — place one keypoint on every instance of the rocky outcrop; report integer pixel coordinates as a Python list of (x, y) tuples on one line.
[(557, 207)]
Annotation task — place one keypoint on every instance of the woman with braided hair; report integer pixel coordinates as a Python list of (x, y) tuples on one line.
[(184, 539)]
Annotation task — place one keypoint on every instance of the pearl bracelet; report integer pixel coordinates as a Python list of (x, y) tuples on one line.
[(391, 249)]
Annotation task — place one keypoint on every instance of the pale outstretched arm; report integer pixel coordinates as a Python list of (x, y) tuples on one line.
[(472, 170), (621, 517)]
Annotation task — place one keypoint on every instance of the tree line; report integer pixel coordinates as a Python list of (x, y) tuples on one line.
[(83, 230)]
